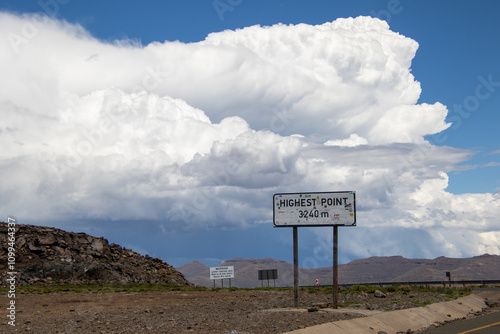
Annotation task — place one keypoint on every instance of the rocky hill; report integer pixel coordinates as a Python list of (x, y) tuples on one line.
[(45, 255), (371, 270)]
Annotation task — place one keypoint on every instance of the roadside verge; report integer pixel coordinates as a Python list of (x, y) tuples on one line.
[(413, 319)]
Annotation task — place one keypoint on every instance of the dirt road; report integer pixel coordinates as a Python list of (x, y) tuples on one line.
[(221, 311)]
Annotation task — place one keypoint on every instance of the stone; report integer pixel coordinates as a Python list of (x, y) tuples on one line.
[(97, 246), (379, 294), (320, 305), (32, 246), (46, 240), (492, 303)]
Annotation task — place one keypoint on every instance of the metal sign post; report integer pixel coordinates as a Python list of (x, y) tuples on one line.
[(315, 209), (295, 266), (335, 267)]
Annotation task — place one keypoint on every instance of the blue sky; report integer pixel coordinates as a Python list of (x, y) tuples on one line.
[(456, 65)]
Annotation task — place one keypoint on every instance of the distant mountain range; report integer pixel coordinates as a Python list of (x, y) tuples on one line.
[(371, 270)]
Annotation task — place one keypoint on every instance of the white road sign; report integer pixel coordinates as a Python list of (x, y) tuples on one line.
[(315, 209), (221, 272)]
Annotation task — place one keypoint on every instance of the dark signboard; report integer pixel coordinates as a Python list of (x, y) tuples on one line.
[(268, 274)]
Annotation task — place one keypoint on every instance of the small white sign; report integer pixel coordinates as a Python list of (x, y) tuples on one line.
[(221, 272), (315, 209)]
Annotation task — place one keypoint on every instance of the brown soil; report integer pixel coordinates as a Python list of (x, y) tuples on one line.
[(211, 311)]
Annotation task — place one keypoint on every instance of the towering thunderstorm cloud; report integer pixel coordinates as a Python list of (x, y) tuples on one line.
[(202, 134)]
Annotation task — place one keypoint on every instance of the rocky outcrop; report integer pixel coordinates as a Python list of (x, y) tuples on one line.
[(45, 255)]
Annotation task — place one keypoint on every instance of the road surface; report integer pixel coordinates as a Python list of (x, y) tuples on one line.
[(485, 324)]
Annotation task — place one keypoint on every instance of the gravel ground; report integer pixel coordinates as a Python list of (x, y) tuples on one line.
[(211, 311)]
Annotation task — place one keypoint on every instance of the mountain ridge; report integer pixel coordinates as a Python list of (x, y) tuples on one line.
[(370, 270)]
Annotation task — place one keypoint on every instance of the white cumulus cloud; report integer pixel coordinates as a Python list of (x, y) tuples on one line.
[(202, 134)]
